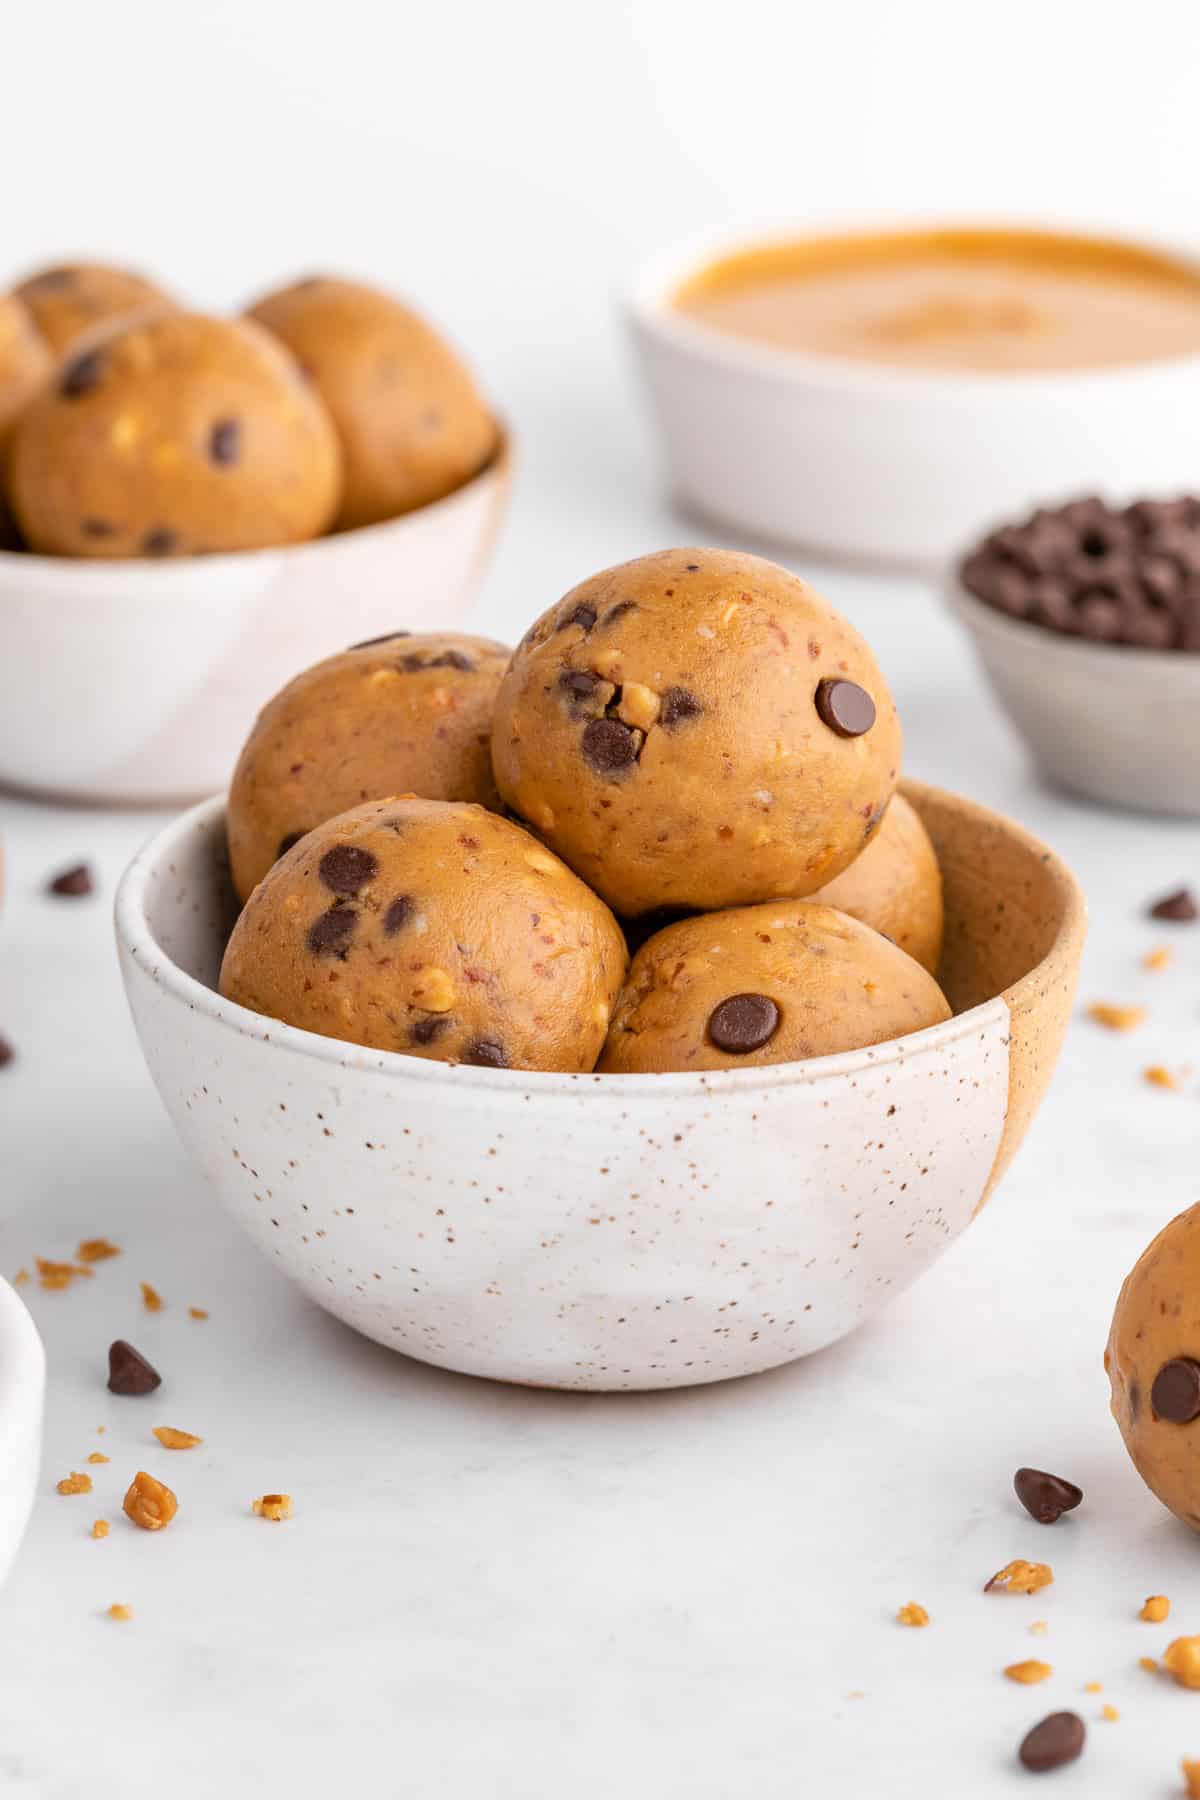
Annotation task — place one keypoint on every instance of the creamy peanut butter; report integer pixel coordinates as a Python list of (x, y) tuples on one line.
[(987, 300)]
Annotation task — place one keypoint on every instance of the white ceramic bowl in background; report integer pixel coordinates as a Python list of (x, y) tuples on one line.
[(1114, 723), (601, 1231), (889, 464), (139, 681), (22, 1386)]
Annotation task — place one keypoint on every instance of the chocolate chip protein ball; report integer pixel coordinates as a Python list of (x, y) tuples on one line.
[(434, 929), (765, 984), (895, 886), (173, 436), (412, 423), (25, 363), (697, 729), (1153, 1364), (399, 715), (69, 300)]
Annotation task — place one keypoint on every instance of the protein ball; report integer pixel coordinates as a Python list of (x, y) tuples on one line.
[(895, 886), (25, 363), (171, 436), (413, 426), (401, 715), (765, 984), (697, 729), (69, 300), (435, 929)]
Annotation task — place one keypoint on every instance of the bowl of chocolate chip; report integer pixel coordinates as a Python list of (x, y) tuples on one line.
[(1086, 620)]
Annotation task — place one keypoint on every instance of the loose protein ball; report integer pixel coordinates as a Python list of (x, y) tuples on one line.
[(25, 363), (1153, 1364), (895, 886), (71, 299), (412, 424), (697, 729), (171, 436), (765, 984), (399, 715), (435, 929)]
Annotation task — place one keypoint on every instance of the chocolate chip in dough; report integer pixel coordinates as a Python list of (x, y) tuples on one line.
[(330, 934), (845, 708), (1056, 1741), (129, 1372), (743, 1023), (97, 528), (678, 705), (81, 375), (288, 841), (72, 884), (225, 442), (160, 541), (610, 746), (399, 912), (1045, 1497), (1175, 1395), (487, 1053), (583, 616), (1178, 908), (347, 868), (425, 1030)]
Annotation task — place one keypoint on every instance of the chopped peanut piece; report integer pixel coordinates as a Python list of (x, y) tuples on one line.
[(1149, 1663), (1039, 1628), (1116, 1018), (911, 1613), (119, 1611), (56, 1275), (1029, 1672), (1093, 1687), (1156, 1609), (94, 1250), (1020, 1577), (273, 1506), (75, 1483), (1191, 1775), (197, 1312), (20, 1278), (1157, 959), (151, 1299), (170, 1439), (98, 1456), (1110, 1713), (100, 1528), (1182, 1660), (149, 1503), (1157, 1076)]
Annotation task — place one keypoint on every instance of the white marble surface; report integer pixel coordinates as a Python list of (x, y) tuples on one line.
[(492, 1592)]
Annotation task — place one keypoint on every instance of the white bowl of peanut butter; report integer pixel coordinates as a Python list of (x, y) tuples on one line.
[(878, 394)]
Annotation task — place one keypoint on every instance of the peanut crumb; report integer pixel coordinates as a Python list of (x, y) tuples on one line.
[(151, 1299), (273, 1506), (94, 1250), (1159, 1077), (1157, 959), (1020, 1577), (54, 1276), (197, 1312), (100, 1430), (911, 1613), (1029, 1672), (100, 1528), (1116, 1018), (20, 1278), (1110, 1713), (1182, 1660), (119, 1611), (98, 1456), (1039, 1628), (1093, 1687), (1156, 1609), (170, 1439), (149, 1503), (1149, 1663), (1191, 1775), (75, 1483)]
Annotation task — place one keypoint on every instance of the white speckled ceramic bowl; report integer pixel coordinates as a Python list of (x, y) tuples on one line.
[(601, 1231), (138, 681), (22, 1384), (1116, 724)]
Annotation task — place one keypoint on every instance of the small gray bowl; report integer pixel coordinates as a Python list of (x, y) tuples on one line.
[(1117, 724)]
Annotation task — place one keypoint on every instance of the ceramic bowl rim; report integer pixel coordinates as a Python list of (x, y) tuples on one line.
[(138, 942), (1038, 640), (647, 304), (131, 572), (22, 1357)]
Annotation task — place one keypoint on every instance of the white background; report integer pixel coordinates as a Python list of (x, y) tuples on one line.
[(487, 1592)]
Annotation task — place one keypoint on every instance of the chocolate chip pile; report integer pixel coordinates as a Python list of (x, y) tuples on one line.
[(1112, 575)]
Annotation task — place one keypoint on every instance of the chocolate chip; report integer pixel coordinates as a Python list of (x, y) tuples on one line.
[(581, 615), (452, 659), (582, 685), (346, 868), (1175, 1395), (617, 612), (288, 842), (743, 1023), (425, 1030), (1178, 908), (81, 374), (692, 568), (845, 707), (73, 883), (7, 1053), (129, 1372), (96, 528), (399, 912), (329, 935), (159, 541), (54, 278), (225, 441), (610, 746), (369, 643), (1056, 1741), (487, 1053), (1045, 1497), (678, 705)]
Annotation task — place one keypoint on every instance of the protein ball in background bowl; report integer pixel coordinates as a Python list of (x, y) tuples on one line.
[(25, 363), (70, 299), (173, 436), (412, 423), (434, 929), (765, 984), (406, 714), (1153, 1365), (697, 729), (895, 886)]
